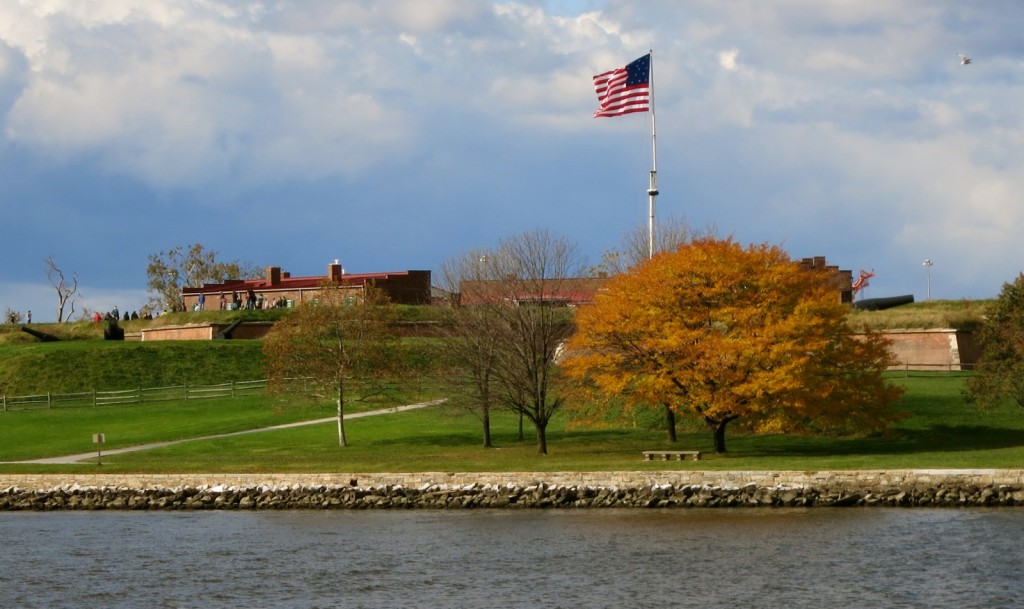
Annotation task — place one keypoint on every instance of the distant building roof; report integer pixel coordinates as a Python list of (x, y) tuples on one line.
[(294, 283), (571, 291), (405, 287)]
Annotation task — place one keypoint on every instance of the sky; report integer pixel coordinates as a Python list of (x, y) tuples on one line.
[(395, 135)]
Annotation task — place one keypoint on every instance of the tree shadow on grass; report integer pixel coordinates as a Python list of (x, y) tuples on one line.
[(941, 438), (594, 440)]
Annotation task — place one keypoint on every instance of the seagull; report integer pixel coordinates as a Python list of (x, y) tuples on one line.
[(964, 60)]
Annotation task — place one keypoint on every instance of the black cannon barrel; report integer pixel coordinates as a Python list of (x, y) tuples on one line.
[(226, 332), (878, 304), (43, 336)]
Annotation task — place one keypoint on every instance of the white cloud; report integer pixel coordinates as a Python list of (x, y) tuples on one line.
[(727, 59), (433, 16), (186, 104), (184, 94)]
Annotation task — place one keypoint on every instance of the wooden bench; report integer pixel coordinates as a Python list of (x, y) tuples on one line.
[(667, 455)]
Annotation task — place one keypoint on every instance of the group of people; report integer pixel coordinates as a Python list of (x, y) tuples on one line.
[(251, 301), (115, 315)]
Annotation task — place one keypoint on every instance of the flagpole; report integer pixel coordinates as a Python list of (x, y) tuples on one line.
[(652, 190), (621, 91)]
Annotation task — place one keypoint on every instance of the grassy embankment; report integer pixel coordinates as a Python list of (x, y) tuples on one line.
[(958, 314), (942, 431)]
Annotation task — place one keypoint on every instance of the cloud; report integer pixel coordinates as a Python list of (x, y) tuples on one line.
[(727, 59), (177, 99)]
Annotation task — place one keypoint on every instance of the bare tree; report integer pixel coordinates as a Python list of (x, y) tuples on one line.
[(66, 290), (11, 316), (336, 346), (516, 294), (470, 347), (669, 234)]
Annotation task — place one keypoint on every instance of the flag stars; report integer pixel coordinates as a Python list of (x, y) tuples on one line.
[(624, 90)]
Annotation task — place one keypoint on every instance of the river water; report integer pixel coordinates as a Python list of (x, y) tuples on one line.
[(792, 558)]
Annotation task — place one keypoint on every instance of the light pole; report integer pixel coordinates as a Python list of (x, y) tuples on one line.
[(928, 273)]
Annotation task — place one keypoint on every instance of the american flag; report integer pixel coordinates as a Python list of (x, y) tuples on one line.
[(624, 90)]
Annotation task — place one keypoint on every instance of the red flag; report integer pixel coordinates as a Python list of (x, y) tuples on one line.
[(624, 90)]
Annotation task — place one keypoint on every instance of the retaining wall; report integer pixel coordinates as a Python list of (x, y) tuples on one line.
[(435, 490), (934, 349)]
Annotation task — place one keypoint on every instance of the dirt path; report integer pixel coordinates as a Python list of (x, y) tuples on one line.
[(91, 456)]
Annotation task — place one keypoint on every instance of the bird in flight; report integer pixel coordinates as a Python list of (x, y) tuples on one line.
[(964, 60)]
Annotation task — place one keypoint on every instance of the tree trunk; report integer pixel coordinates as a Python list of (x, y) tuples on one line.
[(718, 432), (542, 440), (670, 423), (341, 416), (720, 438), (485, 409), (486, 418)]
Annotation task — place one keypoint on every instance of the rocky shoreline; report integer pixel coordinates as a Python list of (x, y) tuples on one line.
[(942, 491)]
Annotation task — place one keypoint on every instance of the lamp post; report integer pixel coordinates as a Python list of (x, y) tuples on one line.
[(928, 274)]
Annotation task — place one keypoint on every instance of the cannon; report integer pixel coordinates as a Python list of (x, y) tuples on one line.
[(879, 304), (42, 336), (226, 332), (113, 331)]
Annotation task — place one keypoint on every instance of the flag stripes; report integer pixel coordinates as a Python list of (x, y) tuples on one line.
[(624, 90)]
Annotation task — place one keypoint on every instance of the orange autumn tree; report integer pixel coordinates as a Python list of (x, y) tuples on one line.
[(727, 333)]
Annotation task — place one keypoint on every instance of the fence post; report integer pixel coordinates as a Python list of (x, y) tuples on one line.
[(94, 402), (49, 401)]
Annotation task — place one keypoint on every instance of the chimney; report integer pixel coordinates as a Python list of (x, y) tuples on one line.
[(334, 271), (273, 275)]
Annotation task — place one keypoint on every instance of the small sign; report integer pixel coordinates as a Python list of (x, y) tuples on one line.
[(98, 439)]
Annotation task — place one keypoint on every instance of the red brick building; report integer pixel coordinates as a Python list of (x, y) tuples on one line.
[(279, 288), (571, 292), (841, 279)]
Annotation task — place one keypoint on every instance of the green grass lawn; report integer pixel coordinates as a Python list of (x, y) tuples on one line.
[(47, 433), (941, 432)]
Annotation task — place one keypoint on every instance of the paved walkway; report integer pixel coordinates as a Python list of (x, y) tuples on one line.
[(91, 456)]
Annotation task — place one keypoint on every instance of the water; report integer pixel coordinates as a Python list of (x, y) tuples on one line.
[(554, 559)]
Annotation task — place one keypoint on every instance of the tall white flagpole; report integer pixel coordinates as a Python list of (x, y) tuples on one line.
[(652, 190)]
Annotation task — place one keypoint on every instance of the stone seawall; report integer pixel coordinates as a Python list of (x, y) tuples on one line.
[(438, 490)]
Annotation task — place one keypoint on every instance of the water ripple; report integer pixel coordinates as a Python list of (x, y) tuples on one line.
[(596, 558)]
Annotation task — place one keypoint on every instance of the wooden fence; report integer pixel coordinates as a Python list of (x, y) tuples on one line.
[(49, 401), (933, 369)]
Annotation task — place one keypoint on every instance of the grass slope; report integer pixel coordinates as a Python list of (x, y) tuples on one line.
[(71, 366)]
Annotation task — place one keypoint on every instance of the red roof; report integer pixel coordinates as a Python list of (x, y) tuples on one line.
[(288, 283), (568, 291)]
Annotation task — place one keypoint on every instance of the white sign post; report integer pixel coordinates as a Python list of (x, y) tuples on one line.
[(98, 439)]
